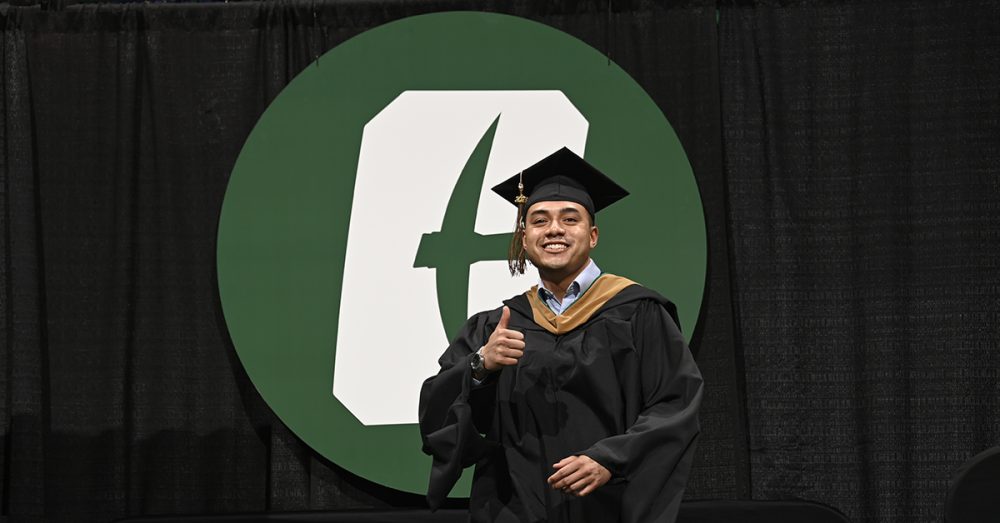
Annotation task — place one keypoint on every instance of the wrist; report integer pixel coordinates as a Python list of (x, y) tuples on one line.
[(478, 364), (486, 362)]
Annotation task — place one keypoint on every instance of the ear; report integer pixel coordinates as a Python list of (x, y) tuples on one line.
[(594, 233)]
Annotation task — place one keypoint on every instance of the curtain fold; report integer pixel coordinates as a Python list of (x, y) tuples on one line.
[(24, 398)]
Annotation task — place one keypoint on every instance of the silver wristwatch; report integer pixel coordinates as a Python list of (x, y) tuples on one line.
[(478, 364)]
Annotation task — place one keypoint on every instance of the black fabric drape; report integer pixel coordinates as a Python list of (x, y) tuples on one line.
[(853, 230), (121, 392), (862, 149)]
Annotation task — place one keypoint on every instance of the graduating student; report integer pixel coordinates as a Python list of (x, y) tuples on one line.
[(577, 401)]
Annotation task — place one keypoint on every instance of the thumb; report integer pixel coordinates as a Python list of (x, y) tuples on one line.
[(504, 318)]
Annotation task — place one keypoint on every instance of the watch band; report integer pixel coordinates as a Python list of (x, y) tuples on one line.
[(478, 364)]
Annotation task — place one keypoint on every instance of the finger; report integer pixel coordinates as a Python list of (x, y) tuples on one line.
[(567, 469), (507, 362), (512, 353), (508, 352), (563, 462), (578, 486), (514, 344), (561, 469), (588, 489), (570, 479), (504, 318), (554, 478), (511, 334)]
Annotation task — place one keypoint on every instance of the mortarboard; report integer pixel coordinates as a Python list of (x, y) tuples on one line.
[(560, 176)]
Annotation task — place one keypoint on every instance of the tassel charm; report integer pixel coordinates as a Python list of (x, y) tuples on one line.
[(515, 254)]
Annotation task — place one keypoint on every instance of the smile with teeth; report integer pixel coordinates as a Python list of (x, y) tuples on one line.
[(555, 247)]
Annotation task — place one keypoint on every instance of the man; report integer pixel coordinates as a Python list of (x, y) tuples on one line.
[(577, 401)]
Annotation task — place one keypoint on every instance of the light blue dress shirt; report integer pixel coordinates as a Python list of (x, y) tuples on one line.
[(580, 284)]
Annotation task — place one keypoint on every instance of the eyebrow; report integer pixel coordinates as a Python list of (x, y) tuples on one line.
[(564, 210)]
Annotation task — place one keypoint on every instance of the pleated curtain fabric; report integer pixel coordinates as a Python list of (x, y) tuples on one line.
[(862, 153)]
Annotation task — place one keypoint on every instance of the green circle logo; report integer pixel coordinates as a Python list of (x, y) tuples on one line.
[(358, 230)]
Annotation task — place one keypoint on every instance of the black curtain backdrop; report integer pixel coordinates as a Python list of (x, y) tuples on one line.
[(862, 153), (848, 159)]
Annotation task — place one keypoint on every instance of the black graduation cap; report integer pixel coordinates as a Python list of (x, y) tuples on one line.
[(562, 176)]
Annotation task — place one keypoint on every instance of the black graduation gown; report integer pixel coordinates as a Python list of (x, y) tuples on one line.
[(622, 388)]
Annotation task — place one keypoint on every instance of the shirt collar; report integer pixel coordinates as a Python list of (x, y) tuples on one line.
[(580, 284)]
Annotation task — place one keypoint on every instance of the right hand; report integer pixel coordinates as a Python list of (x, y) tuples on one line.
[(504, 347)]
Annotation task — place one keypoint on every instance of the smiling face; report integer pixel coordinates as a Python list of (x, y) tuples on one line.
[(558, 237)]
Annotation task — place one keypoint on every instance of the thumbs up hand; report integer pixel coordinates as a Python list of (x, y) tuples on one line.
[(504, 347)]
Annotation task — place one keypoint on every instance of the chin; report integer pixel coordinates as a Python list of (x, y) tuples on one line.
[(551, 263), (558, 267)]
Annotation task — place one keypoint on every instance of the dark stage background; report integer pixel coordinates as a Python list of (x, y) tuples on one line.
[(848, 158)]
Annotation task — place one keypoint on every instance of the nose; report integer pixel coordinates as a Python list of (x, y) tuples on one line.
[(555, 229)]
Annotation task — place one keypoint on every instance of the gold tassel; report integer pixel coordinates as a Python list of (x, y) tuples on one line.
[(515, 254)]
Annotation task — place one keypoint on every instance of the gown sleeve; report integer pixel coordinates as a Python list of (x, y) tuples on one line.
[(453, 412), (654, 455)]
